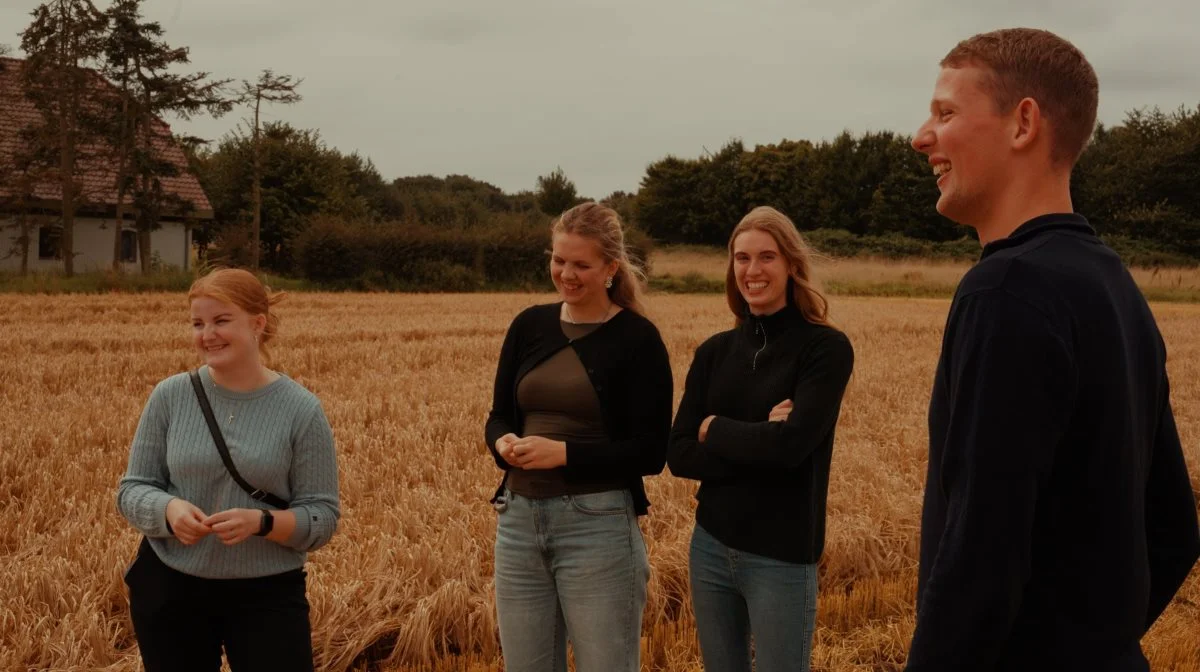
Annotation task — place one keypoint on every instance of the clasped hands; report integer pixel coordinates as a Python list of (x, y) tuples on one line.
[(189, 524), (779, 413), (531, 452)]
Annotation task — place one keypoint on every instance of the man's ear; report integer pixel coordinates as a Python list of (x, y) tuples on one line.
[(1028, 124)]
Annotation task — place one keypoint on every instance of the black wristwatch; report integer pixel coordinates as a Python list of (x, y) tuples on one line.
[(267, 524)]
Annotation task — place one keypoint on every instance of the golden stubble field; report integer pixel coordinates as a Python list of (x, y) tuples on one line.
[(406, 381), (919, 277)]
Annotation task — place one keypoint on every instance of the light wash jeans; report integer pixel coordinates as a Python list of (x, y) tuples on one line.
[(735, 593), (570, 568)]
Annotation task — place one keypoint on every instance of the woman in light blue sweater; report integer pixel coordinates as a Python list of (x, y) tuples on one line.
[(217, 567)]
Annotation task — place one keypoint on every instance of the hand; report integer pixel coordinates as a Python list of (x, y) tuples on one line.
[(504, 448), (536, 452), (703, 434), (781, 411), (235, 525), (186, 521)]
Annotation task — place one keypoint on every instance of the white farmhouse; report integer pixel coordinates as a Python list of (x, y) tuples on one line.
[(94, 231)]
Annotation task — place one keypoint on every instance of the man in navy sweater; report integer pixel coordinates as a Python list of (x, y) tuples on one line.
[(1059, 518)]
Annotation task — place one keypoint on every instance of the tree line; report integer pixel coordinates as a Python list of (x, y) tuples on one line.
[(869, 192), (1137, 184), (270, 184)]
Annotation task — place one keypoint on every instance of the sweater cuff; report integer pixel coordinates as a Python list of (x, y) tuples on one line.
[(302, 530), (312, 529), (152, 514)]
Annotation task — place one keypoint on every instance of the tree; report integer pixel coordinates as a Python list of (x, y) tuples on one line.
[(270, 88), (694, 201), (16, 188), (20, 172), (300, 178), (555, 193), (622, 203), (904, 195), (380, 198), (780, 175), (665, 205), (136, 61), (721, 200), (1137, 180), (62, 41), (457, 201)]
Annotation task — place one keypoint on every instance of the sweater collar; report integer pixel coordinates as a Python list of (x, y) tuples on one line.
[(776, 322), (1038, 226)]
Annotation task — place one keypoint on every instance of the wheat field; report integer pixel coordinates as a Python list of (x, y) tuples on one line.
[(406, 382), (867, 275)]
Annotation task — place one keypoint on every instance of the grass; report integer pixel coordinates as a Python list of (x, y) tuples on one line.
[(700, 269), (108, 282), (685, 269)]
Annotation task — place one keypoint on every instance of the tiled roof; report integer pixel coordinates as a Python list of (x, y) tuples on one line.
[(97, 177)]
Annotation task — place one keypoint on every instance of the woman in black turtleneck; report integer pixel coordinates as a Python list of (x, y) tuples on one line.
[(755, 427)]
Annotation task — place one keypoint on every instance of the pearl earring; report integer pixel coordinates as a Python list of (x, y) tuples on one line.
[(608, 282)]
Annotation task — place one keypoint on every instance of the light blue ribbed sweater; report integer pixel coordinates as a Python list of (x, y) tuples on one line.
[(279, 440)]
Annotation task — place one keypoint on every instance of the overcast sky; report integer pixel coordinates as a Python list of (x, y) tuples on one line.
[(505, 91)]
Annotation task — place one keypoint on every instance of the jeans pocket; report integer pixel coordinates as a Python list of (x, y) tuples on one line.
[(501, 501), (607, 503)]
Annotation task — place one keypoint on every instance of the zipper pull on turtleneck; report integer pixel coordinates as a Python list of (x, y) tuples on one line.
[(759, 328)]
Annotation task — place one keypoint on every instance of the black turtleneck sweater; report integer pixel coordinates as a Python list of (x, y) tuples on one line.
[(1058, 519), (763, 484)]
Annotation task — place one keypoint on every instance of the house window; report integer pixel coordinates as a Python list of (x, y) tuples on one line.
[(49, 239), (129, 247)]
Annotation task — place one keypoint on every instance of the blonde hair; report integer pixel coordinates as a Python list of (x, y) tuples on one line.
[(798, 255), (242, 289), (602, 224)]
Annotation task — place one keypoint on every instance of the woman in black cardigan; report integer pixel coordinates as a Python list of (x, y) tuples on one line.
[(755, 427), (581, 412)]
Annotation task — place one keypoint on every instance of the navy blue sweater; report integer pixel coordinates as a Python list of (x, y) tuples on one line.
[(1058, 518)]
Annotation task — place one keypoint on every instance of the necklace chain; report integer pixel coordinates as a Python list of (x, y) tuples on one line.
[(571, 317)]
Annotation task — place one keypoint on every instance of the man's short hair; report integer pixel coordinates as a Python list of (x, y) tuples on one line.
[(1037, 64)]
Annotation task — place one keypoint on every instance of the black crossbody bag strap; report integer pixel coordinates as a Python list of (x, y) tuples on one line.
[(255, 493)]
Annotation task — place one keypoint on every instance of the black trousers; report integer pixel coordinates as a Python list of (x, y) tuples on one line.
[(182, 621)]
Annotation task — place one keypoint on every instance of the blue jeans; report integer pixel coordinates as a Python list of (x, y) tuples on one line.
[(735, 593), (571, 567)]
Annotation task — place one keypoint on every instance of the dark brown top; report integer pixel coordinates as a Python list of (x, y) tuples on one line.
[(559, 402)]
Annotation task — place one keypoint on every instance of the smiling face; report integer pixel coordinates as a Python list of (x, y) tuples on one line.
[(224, 334), (761, 271), (967, 142), (579, 270)]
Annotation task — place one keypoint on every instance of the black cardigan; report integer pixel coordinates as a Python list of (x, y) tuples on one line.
[(763, 484), (627, 363)]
